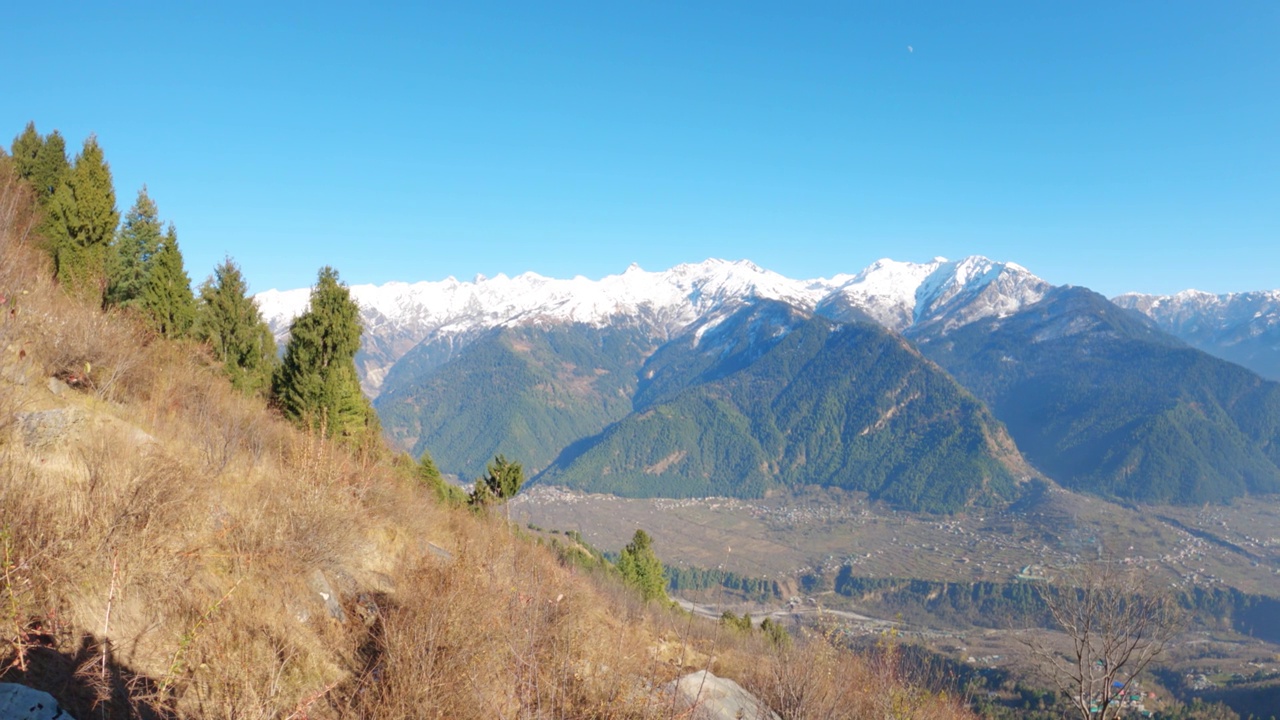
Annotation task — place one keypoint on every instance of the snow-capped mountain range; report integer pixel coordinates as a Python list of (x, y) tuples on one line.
[(915, 299), (906, 297), (1241, 327)]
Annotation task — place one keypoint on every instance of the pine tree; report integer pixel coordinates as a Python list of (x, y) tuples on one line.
[(51, 166), (131, 255), (26, 148), (316, 383), (82, 220), (229, 321), (430, 476), (166, 296), (641, 569), (501, 481)]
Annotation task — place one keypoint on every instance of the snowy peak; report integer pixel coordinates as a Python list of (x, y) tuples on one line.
[(673, 298), (899, 295), (939, 296), (1241, 327)]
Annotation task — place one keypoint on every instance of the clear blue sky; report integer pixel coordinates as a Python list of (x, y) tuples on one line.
[(1117, 145)]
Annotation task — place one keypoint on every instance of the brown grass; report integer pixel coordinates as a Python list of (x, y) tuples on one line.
[(159, 560)]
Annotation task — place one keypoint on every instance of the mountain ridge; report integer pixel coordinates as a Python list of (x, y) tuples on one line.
[(899, 295), (1243, 327)]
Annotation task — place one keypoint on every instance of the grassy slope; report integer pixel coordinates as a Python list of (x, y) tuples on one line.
[(158, 560)]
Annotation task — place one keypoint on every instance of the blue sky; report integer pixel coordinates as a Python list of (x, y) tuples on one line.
[(1121, 146)]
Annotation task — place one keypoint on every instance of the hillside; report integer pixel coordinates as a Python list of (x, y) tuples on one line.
[(173, 548), (1101, 400), (524, 392), (770, 397)]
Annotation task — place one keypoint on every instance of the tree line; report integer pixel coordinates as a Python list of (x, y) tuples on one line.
[(134, 266)]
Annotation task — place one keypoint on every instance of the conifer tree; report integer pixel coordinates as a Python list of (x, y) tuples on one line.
[(641, 569), (501, 481), (166, 296), (430, 476), (316, 384), (82, 220), (41, 161), (26, 148), (51, 166), (229, 321), (131, 255)]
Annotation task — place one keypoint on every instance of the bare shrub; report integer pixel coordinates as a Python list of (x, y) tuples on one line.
[(1116, 621)]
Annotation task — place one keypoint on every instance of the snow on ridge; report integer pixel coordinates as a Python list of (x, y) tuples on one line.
[(895, 293), (901, 295)]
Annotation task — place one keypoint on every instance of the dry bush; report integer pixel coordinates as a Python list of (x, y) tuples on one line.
[(819, 679), (501, 631)]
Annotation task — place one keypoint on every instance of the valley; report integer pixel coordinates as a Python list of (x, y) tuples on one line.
[(821, 545), (816, 533)]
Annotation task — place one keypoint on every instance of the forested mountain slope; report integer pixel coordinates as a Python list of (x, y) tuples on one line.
[(772, 397), (1101, 400)]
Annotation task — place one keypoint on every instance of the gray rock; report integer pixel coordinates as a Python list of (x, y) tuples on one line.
[(47, 427), (57, 387), (19, 702), (319, 584), (715, 698), (439, 552)]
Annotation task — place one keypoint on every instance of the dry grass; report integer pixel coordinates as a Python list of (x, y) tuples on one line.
[(159, 560)]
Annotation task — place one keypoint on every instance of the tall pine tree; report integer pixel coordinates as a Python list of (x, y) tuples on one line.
[(51, 167), (316, 383), (166, 296), (26, 148), (136, 245), (82, 221), (641, 569), (229, 321), (41, 161)]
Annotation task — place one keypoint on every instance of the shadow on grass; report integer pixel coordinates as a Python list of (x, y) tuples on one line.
[(83, 685)]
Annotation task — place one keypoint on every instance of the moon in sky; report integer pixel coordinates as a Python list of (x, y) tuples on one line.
[(910, 49)]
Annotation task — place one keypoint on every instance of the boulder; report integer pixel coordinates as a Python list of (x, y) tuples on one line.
[(19, 702), (47, 427), (715, 698), (332, 603)]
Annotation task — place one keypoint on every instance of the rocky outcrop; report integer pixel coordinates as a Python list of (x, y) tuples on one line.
[(43, 428), (319, 584), (709, 697)]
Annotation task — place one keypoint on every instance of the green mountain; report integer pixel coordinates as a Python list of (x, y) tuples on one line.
[(526, 392), (1101, 400), (771, 397)]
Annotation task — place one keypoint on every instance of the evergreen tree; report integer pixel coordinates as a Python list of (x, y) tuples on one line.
[(641, 569), (132, 252), (41, 161), (316, 384), (229, 321), (82, 220), (430, 476), (166, 296), (501, 481), (51, 166), (26, 148)]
